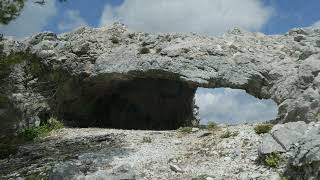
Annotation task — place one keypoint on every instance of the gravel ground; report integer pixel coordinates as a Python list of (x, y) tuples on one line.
[(228, 152)]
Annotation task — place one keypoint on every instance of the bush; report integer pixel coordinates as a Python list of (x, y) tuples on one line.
[(146, 140), (55, 124), (35, 176), (263, 128), (212, 125), (43, 130), (114, 40), (185, 129), (272, 160), (228, 134), (7, 62), (144, 50)]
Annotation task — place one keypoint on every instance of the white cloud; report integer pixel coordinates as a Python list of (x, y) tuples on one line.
[(316, 24), (72, 20), (33, 18), (233, 106), (202, 16)]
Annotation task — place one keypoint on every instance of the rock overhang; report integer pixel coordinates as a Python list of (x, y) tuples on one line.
[(277, 67)]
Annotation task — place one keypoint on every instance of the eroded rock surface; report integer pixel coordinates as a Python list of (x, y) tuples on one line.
[(299, 144), (75, 71)]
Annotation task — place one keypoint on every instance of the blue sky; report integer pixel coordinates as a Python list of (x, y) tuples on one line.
[(291, 13), (210, 17), (286, 14)]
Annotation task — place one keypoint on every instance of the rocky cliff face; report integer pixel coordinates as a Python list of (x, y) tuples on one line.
[(90, 77)]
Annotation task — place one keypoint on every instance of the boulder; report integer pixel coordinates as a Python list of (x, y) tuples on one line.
[(300, 144)]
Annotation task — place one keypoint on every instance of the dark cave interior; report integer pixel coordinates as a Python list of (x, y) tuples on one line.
[(142, 103)]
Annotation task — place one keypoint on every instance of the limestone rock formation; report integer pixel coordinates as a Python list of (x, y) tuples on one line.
[(113, 77), (299, 144)]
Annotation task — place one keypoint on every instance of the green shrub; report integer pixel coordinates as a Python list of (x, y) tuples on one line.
[(55, 124), (263, 128), (4, 177), (42, 130), (7, 62), (32, 133), (146, 140), (35, 176), (185, 129), (114, 40), (228, 134), (212, 125), (144, 50), (272, 160)]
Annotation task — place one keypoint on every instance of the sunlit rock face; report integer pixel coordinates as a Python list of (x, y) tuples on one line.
[(284, 68)]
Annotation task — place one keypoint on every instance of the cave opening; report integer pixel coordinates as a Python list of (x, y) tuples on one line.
[(141, 103), (233, 106), (157, 104)]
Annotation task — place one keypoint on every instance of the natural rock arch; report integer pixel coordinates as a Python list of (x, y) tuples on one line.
[(89, 61)]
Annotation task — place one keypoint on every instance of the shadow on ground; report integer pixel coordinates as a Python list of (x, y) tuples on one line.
[(89, 152)]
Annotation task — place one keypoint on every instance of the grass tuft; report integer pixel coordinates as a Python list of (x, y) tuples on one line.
[(146, 140), (144, 50), (229, 134), (263, 128), (272, 160), (43, 130), (212, 125), (185, 129), (114, 40)]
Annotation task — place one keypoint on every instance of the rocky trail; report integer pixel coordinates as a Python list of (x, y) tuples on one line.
[(228, 152)]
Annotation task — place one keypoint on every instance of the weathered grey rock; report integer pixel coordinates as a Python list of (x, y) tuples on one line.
[(288, 134), (306, 162), (65, 171), (86, 67), (175, 168), (301, 144), (275, 176), (269, 145), (122, 172)]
